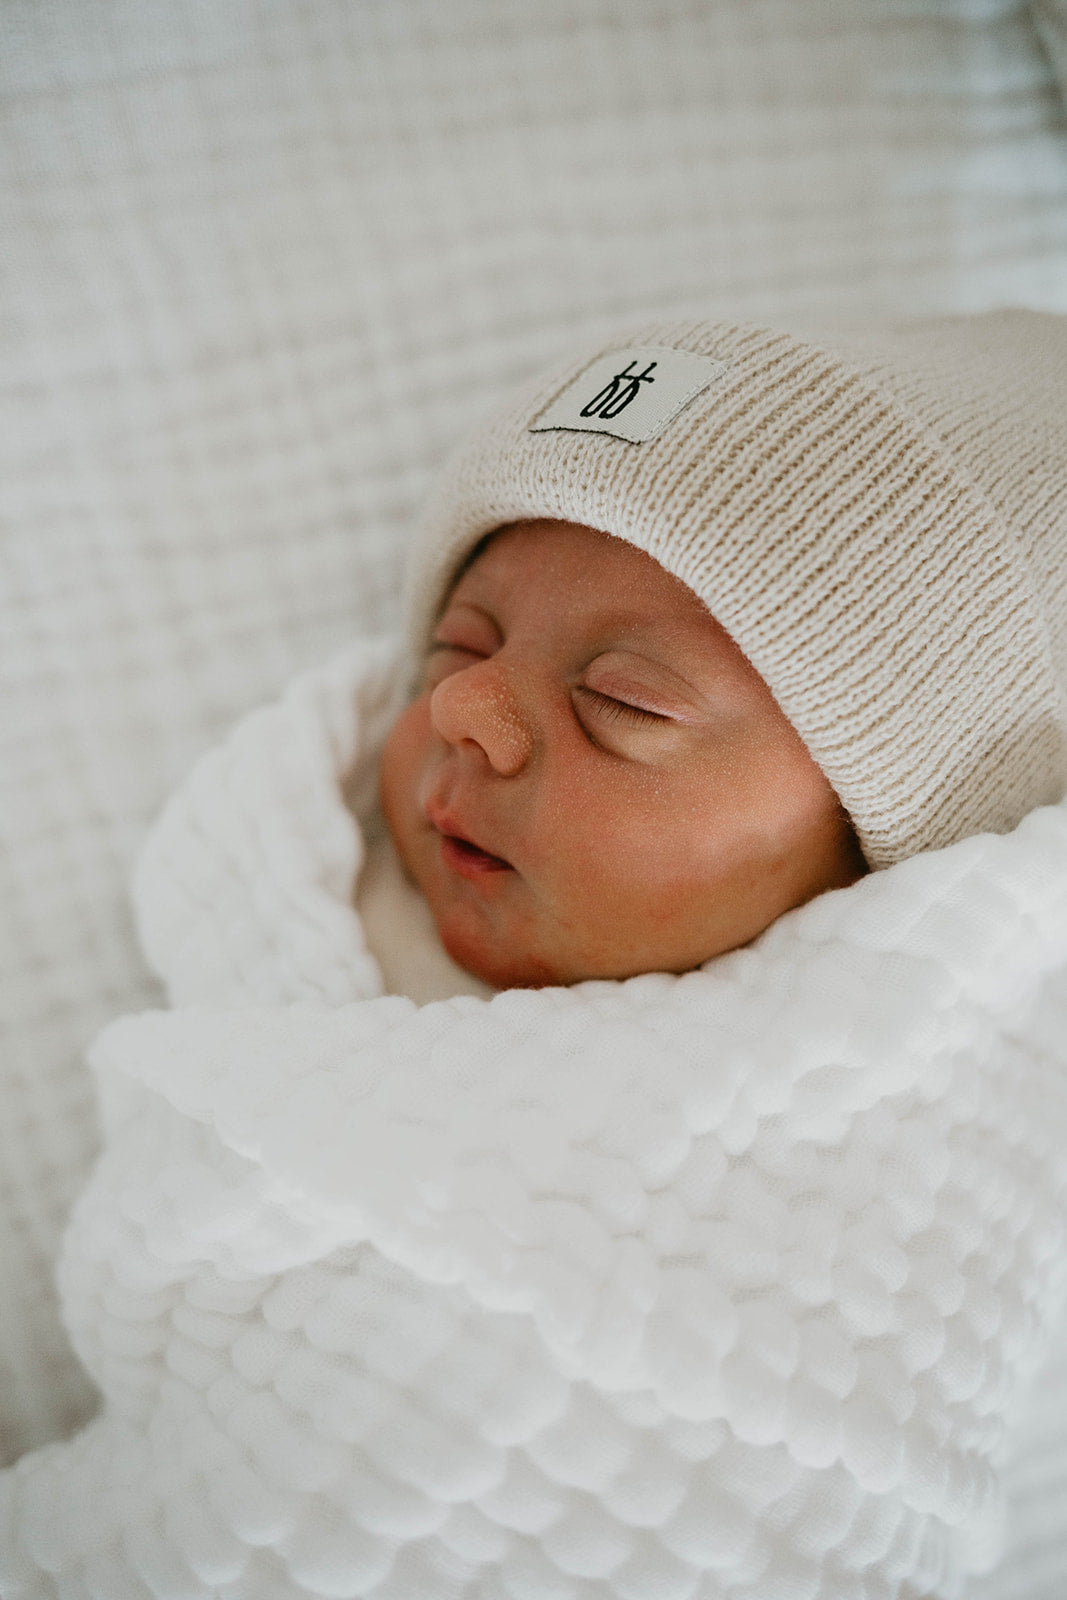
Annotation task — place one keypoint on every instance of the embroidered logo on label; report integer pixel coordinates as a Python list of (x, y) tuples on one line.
[(631, 394)]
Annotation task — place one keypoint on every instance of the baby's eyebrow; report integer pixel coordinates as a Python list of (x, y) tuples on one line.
[(452, 606)]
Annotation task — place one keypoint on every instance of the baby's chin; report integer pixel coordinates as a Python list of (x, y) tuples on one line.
[(518, 968), (499, 968)]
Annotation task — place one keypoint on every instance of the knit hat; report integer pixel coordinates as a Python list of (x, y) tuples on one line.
[(878, 519)]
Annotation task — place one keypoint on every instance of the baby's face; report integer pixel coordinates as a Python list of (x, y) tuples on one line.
[(593, 781)]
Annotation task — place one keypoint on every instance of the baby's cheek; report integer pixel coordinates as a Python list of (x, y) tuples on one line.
[(606, 853), (401, 761)]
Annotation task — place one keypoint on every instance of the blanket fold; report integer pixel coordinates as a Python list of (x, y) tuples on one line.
[(725, 1284)]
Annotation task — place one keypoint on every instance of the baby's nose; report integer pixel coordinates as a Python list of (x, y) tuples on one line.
[(477, 705)]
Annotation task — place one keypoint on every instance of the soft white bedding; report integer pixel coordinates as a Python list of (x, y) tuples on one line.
[(720, 1285)]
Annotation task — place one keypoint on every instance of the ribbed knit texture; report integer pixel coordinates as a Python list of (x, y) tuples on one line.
[(887, 548)]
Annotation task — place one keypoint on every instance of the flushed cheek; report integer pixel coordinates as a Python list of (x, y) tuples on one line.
[(593, 866), (405, 756), (632, 878)]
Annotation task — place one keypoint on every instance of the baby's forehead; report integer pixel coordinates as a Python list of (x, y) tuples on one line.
[(568, 579), (538, 555)]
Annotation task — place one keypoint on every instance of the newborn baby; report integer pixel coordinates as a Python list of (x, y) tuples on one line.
[(717, 1284), (593, 781), (708, 624)]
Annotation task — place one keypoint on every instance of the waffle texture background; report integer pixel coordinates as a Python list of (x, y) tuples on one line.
[(264, 263)]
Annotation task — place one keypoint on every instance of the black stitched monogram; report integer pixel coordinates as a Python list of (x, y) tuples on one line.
[(616, 395)]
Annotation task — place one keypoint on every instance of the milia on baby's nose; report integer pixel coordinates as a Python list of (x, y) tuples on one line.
[(478, 705)]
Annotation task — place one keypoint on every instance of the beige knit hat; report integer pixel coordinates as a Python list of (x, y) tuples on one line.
[(878, 519)]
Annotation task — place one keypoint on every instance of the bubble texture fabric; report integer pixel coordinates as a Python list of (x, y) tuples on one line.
[(726, 1284)]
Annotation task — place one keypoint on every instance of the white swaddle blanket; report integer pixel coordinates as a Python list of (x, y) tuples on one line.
[(716, 1285)]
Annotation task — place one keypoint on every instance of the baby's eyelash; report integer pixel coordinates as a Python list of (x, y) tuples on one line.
[(434, 665), (437, 645), (613, 709)]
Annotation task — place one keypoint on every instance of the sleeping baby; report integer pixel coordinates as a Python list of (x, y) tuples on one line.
[(711, 624), (593, 781), (608, 1133)]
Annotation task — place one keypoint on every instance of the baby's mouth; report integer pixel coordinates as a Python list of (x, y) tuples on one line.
[(459, 852), (469, 858)]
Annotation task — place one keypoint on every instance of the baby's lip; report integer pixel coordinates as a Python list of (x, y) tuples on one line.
[(467, 849)]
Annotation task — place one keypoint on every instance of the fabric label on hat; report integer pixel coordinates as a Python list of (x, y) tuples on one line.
[(631, 394)]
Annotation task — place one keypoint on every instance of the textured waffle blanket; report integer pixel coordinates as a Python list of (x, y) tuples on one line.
[(716, 1285)]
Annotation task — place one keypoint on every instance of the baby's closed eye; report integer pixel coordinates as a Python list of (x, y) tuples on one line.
[(443, 659), (612, 709), (623, 728), (464, 634)]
